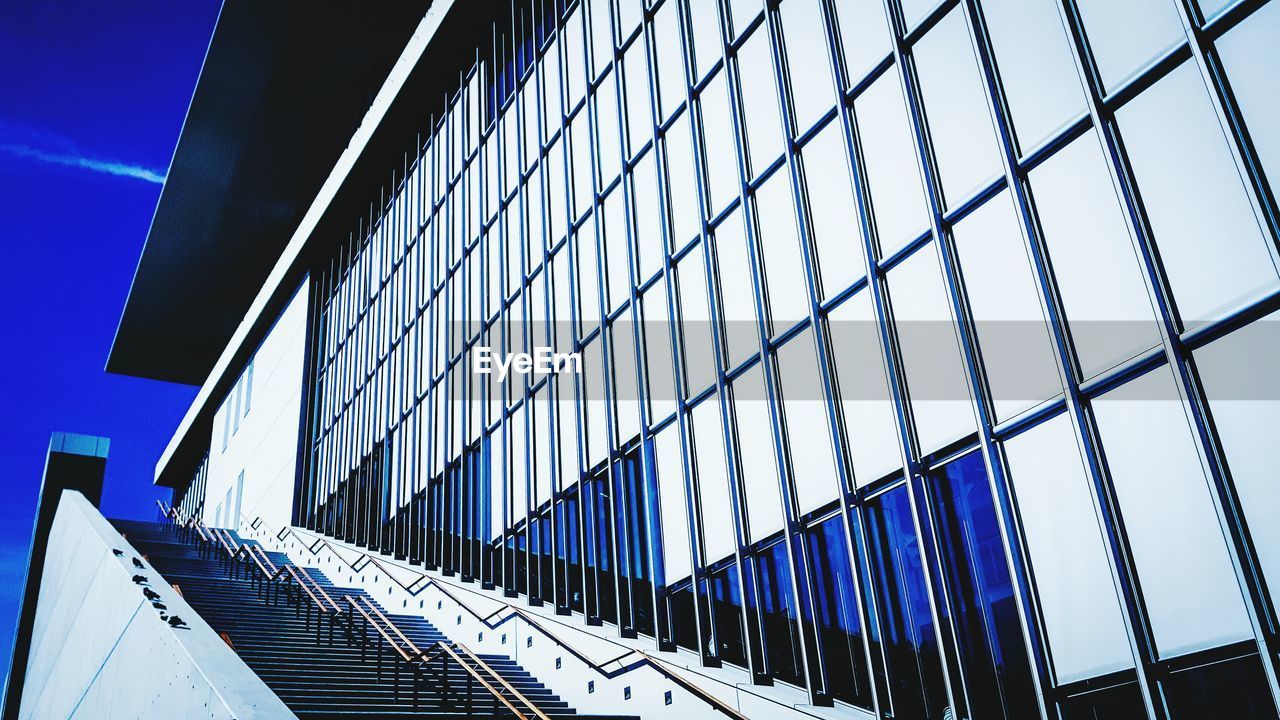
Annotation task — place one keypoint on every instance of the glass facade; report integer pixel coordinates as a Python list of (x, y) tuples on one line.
[(921, 345)]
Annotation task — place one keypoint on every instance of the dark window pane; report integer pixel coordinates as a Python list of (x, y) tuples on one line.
[(835, 613), (778, 614), (909, 644), (726, 609), (1118, 702), (1235, 688), (988, 630)]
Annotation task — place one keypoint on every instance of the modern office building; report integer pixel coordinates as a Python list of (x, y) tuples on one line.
[(918, 359)]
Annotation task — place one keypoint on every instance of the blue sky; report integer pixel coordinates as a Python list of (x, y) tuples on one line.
[(92, 98)]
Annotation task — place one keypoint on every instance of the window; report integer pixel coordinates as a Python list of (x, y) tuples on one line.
[(248, 387), (656, 335), (1244, 397), (719, 538), (914, 665), (1134, 421), (934, 368), (1089, 247), (1069, 560), (813, 470), (984, 612), (695, 323), (649, 214), (869, 418), (1213, 250), (682, 186), (761, 481), (835, 612), (832, 211), (809, 65), (737, 296), (760, 109), (672, 505), (864, 36), (1126, 36), (955, 103), (704, 19), (607, 153), (1005, 302), (897, 197), (717, 138), (635, 67), (788, 288), (1036, 67), (778, 614), (666, 49), (1251, 55)]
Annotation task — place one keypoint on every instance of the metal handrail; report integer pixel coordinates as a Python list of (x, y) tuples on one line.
[(643, 658), (379, 614), (404, 655), (485, 684), (503, 681)]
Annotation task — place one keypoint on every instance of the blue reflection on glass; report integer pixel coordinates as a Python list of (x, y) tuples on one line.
[(910, 647), (835, 612), (993, 656)]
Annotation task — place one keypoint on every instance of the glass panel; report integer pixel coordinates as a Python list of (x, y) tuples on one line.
[(788, 290), (1177, 543), (1078, 599), (1126, 36), (1244, 395), (760, 108), (1090, 247), (813, 469), (666, 48), (648, 216), (1037, 68), (737, 298), (705, 21), (742, 12), (869, 418), (1213, 250), (931, 360), (617, 261), (954, 101), (601, 35), (913, 11), (671, 493), (626, 397), (629, 14), (657, 345), (574, 59), (726, 612), (835, 613), (760, 477), (833, 211), (897, 197), (778, 614), (695, 319), (808, 63), (607, 152), (719, 540), (682, 185), (986, 618), (639, 106), (910, 644), (1017, 350), (1235, 688), (1251, 55), (717, 138), (864, 36)]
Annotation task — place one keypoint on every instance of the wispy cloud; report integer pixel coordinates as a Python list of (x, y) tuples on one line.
[(75, 159)]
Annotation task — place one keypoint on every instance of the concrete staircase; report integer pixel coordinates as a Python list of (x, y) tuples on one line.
[(333, 670)]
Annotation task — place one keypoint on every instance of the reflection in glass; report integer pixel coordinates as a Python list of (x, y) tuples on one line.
[(778, 614), (984, 611), (910, 645), (835, 613)]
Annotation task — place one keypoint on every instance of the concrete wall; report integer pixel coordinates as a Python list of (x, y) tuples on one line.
[(262, 442), (100, 649)]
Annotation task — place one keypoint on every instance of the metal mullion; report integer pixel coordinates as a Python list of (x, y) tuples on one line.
[(1157, 288), (753, 639), (913, 470), (811, 658), (699, 587)]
